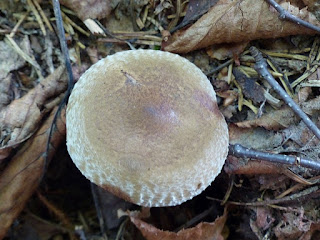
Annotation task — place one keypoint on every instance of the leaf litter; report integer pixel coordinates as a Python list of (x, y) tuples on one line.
[(256, 116)]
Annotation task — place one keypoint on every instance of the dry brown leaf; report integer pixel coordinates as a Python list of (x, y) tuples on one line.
[(20, 119), (23, 174), (256, 138), (203, 231), (238, 21), (315, 227), (312, 106), (85, 9), (196, 8), (273, 120), (312, 4), (250, 88), (293, 225), (225, 51), (5, 90), (10, 59), (262, 222), (303, 94), (32, 227), (235, 165)]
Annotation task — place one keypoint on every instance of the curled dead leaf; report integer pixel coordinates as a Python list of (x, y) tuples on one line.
[(225, 51), (20, 119), (24, 172), (202, 231), (312, 106), (238, 21), (86, 9), (273, 120)]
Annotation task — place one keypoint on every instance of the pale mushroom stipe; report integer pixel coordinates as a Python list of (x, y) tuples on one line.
[(145, 125)]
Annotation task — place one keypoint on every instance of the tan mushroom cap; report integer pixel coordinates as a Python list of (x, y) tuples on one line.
[(145, 125)]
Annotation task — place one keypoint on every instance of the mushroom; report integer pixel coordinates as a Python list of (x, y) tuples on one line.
[(145, 125)]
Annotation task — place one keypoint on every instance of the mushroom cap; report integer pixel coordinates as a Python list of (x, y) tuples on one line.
[(145, 125)]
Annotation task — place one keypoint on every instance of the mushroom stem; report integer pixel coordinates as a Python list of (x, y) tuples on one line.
[(241, 151)]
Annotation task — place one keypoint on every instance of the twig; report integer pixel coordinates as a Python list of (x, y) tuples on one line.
[(241, 151), (284, 80), (196, 219), (97, 203), (283, 14), (228, 192), (108, 33), (298, 197), (63, 44), (261, 67), (217, 69), (56, 211), (64, 48)]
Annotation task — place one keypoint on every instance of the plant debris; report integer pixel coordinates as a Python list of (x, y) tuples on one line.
[(265, 200)]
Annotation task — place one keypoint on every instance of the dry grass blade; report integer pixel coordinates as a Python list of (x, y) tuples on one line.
[(37, 15), (26, 57)]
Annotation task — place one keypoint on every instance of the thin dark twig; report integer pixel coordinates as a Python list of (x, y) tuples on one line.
[(97, 203), (63, 45), (196, 219), (64, 48), (241, 151), (225, 64), (261, 67), (108, 33), (312, 192), (283, 14)]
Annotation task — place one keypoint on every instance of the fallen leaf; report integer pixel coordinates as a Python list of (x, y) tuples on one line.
[(292, 225), (312, 106), (20, 119), (313, 5), (262, 222), (6, 94), (235, 165), (85, 9), (249, 86), (238, 21), (110, 206), (257, 138), (32, 227), (24, 172), (274, 119), (203, 231), (308, 235), (225, 51), (196, 8), (10, 60)]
